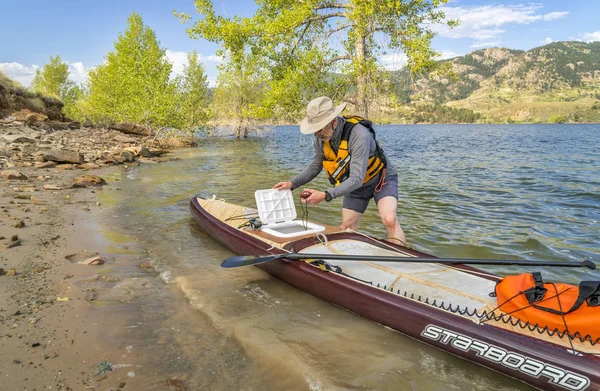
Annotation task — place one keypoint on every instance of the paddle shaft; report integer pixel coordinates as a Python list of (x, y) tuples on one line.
[(252, 260), (448, 261)]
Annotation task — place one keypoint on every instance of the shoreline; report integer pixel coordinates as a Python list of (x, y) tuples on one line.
[(68, 325)]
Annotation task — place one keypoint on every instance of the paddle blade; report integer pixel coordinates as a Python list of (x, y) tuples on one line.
[(246, 260), (589, 264)]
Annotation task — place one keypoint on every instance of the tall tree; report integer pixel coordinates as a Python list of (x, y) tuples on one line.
[(304, 41), (53, 79), (193, 95), (237, 100), (133, 84)]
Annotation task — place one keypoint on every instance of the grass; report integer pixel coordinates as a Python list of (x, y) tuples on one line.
[(14, 97)]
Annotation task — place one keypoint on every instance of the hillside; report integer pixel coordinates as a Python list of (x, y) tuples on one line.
[(14, 97), (555, 82)]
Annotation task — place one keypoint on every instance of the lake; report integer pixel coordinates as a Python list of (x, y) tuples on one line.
[(473, 191)]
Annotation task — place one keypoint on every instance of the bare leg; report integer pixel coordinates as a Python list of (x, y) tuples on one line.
[(350, 219), (387, 211)]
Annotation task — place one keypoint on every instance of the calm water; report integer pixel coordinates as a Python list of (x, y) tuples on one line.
[(487, 191)]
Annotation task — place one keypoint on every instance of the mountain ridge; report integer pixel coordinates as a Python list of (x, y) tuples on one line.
[(557, 82)]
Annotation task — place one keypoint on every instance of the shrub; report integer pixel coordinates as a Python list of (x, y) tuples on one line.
[(557, 119)]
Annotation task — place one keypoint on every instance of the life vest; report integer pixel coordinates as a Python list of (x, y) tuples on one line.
[(337, 164), (553, 305)]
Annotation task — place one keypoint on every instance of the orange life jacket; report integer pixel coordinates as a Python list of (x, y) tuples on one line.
[(553, 305), (337, 164)]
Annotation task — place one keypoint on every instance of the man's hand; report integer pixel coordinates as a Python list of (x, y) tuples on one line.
[(283, 186), (315, 197)]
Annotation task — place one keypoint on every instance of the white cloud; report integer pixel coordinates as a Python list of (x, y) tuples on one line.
[(592, 37), (483, 23), (179, 61), (20, 73), (446, 54), (554, 16), (78, 72), (394, 61), (24, 74), (488, 44), (547, 40)]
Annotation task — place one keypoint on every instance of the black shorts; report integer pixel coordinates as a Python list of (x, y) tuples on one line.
[(358, 200)]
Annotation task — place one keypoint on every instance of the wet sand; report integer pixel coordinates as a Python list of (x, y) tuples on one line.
[(64, 324), (68, 325)]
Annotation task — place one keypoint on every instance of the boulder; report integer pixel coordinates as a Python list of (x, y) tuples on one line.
[(129, 128), (62, 156), (18, 139), (125, 139), (28, 116), (88, 180), (12, 174)]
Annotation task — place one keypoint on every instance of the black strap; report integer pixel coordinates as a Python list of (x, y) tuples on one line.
[(588, 291), (537, 292)]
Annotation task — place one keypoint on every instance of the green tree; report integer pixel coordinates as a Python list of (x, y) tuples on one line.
[(133, 84), (52, 79), (71, 98), (302, 43), (193, 95), (239, 96)]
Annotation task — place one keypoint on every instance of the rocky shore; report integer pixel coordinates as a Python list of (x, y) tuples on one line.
[(61, 290)]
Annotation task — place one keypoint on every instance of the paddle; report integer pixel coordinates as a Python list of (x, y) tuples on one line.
[(247, 260)]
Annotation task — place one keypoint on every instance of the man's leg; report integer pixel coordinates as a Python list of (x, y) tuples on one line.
[(350, 219), (387, 211)]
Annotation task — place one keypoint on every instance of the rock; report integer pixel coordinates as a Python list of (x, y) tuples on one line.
[(51, 187), (20, 224), (88, 180), (131, 129), (74, 125), (151, 152), (45, 164), (62, 156), (28, 116), (125, 139), (178, 384), (146, 265), (18, 139), (55, 125), (11, 272), (2, 272), (14, 243), (92, 261), (102, 367), (91, 294), (128, 156), (89, 166), (12, 174), (146, 161)]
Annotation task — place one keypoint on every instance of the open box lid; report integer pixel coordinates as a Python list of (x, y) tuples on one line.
[(275, 205)]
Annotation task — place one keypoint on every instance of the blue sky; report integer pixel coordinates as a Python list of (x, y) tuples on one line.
[(82, 32)]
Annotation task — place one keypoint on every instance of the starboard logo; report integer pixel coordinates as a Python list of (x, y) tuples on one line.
[(535, 368)]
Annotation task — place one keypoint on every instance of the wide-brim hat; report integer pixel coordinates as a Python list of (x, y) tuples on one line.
[(319, 112)]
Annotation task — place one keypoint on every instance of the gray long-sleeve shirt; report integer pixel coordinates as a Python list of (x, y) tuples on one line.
[(361, 145)]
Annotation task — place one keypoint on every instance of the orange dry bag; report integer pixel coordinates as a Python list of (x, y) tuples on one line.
[(552, 305)]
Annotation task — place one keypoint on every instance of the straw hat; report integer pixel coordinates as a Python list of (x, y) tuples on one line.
[(319, 112)]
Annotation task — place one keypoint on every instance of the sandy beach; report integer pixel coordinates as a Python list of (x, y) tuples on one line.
[(69, 308)]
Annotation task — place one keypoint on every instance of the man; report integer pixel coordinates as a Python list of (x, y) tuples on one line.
[(354, 163)]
